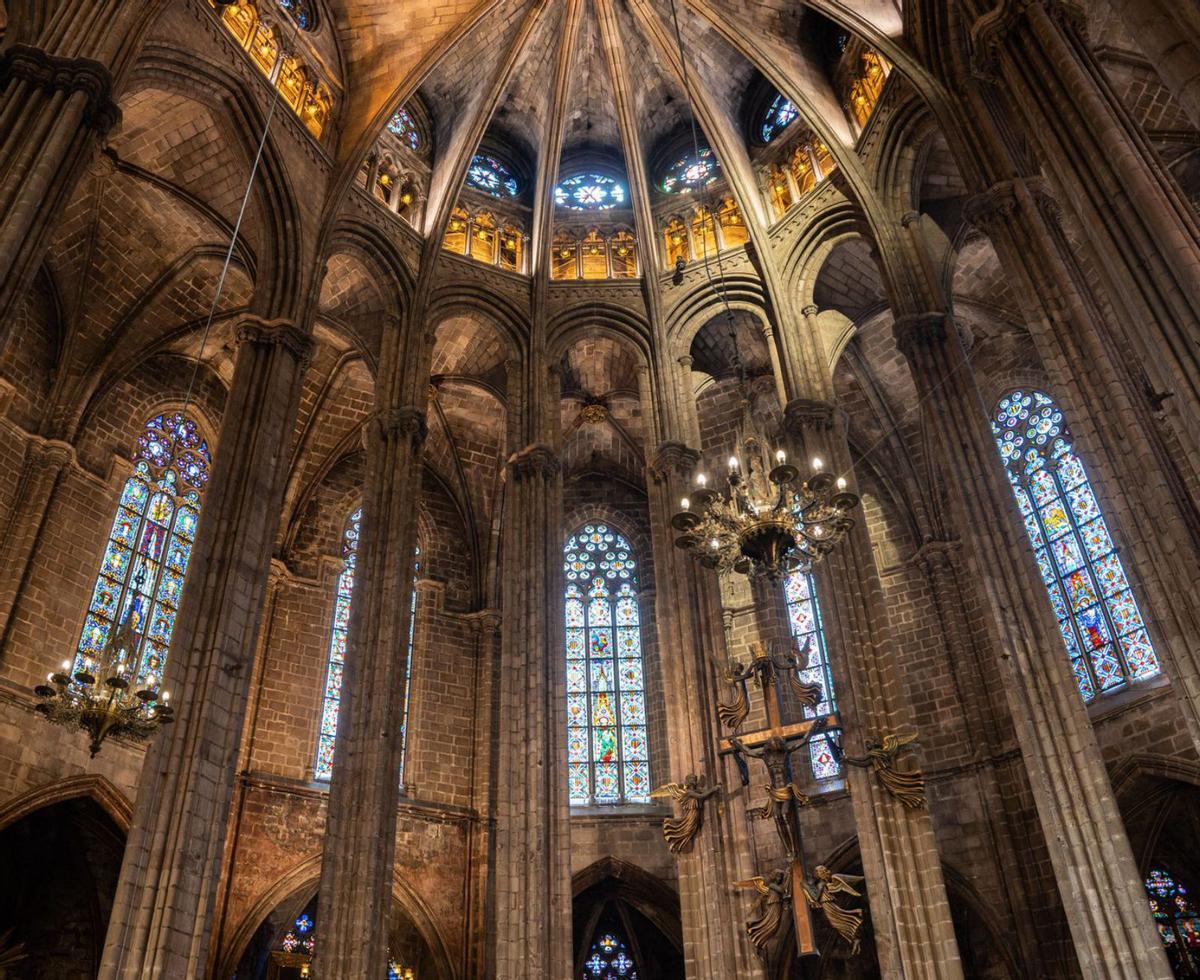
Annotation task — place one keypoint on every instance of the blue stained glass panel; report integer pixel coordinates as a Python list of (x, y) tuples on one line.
[(605, 660), (139, 589), (804, 619), (1087, 585)]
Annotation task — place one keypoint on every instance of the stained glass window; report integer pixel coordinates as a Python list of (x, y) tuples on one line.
[(403, 125), (489, 175), (301, 11), (1097, 613), (337, 653), (690, 171), (608, 760), (804, 619), (589, 192), (295, 950), (337, 647), (609, 959), (1178, 922), (776, 118), (144, 565)]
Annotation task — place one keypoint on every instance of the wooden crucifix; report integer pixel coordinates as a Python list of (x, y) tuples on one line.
[(773, 746)]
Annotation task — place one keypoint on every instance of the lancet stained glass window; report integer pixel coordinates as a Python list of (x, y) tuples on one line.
[(489, 175), (337, 653), (1178, 921), (1097, 614), (589, 192), (609, 959), (776, 118), (144, 565), (337, 647), (608, 759), (804, 619)]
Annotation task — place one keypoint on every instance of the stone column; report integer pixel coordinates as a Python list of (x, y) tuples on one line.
[(1097, 876), (57, 83), (532, 866), (41, 472), (162, 915), (1142, 232), (691, 641), (914, 933), (1145, 481), (360, 834)]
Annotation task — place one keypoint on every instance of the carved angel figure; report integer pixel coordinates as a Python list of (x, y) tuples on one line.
[(775, 893), (809, 695), (821, 891), (732, 715), (691, 795), (907, 787)]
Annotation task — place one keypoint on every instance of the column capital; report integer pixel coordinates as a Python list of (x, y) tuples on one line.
[(916, 329), (485, 622), (991, 208), (811, 309), (989, 32), (673, 459), (55, 453), (936, 553), (536, 459), (57, 74), (283, 333), (404, 421), (801, 414)]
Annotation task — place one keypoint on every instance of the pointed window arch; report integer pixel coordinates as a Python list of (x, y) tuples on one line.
[(142, 573), (1097, 613), (804, 620), (336, 662), (608, 755)]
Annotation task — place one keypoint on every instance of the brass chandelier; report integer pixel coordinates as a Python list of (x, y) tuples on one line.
[(101, 699), (767, 522)]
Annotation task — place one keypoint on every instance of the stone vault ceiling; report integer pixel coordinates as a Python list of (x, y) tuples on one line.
[(560, 83)]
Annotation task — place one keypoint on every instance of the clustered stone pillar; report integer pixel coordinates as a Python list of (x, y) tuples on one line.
[(910, 913), (1094, 866), (532, 855), (1148, 483), (162, 915), (1140, 229), (690, 642), (41, 472), (360, 834), (56, 100)]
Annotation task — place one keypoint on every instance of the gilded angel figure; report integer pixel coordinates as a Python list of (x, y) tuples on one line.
[(691, 795)]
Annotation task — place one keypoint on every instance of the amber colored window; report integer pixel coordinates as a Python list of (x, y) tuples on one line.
[(622, 251), (565, 257), (825, 159), (676, 237), (456, 232), (704, 233), (510, 248), (733, 228), (781, 192), (265, 49), (594, 252), (385, 185), (241, 18), (483, 238), (802, 170), (318, 104)]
